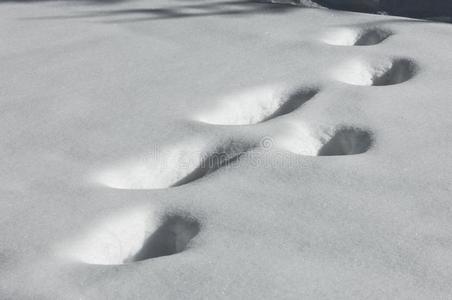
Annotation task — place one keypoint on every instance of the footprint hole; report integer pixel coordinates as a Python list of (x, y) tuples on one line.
[(401, 70), (373, 36), (347, 141), (383, 73), (212, 163), (293, 101), (172, 237), (131, 237), (256, 105), (357, 36)]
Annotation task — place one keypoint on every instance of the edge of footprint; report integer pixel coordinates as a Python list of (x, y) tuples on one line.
[(340, 140), (257, 105), (365, 35), (173, 166), (376, 72), (131, 236)]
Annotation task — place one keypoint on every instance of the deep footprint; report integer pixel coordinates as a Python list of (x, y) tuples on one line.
[(258, 105), (131, 237), (170, 238), (347, 141), (184, 163), (292, 102), (357, 36), (212, 163), (388, 72)]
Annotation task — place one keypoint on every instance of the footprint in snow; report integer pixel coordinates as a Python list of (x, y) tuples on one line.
[(367, 36), (132, 236), (377, 73), (189, 161), (137, 236)]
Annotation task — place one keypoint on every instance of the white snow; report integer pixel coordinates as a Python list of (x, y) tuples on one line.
[(113, 240), (223, 150)]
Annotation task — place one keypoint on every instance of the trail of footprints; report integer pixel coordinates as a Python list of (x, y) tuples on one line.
[(137, 235)]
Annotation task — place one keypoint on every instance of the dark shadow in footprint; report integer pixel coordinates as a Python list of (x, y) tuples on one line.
[(347, 141), (372, 36), (378, 73), (293, 101), (356, 36), (222, 156), (209, 165), (401, 71), (170, 238)]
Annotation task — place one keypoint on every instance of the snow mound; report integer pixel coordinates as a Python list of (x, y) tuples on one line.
[(130, 237), (257, 105), (385, 72), (356, 36)]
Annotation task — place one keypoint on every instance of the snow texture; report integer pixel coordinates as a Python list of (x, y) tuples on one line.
[(223, 150)]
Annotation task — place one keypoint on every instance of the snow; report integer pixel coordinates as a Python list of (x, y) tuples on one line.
[(356, 36), (384, 72), (201, 149)]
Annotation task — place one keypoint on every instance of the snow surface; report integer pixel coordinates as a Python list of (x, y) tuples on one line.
[(232, 150)]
